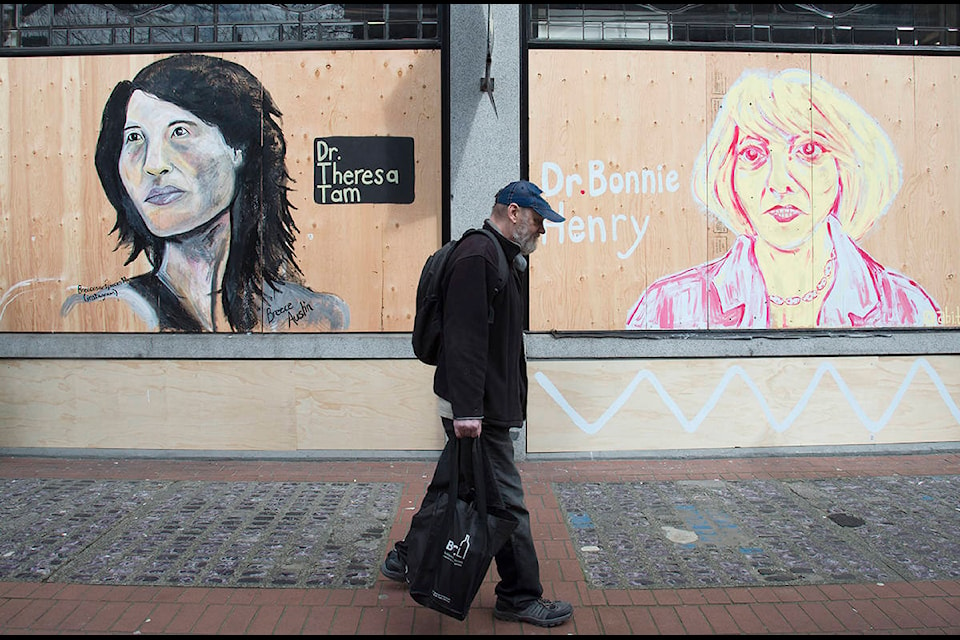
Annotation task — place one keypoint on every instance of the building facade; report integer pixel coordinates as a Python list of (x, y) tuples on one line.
[(675, 311)]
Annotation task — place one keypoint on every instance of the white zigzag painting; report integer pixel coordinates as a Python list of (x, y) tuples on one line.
[(691, 425)]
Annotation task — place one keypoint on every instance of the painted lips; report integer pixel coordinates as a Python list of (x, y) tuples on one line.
[(784, 214), (163, 195)]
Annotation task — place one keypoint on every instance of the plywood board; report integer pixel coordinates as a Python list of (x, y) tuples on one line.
[(56, 237), (639, 405), (594, 115), (384, 405), (274, 405)]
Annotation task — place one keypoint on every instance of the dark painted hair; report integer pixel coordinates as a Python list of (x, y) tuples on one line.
[(226, 95)]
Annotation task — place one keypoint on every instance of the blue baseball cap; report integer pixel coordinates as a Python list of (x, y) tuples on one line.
[(526, 194)]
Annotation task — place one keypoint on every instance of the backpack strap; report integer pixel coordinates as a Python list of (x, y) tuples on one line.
[(503, 269)]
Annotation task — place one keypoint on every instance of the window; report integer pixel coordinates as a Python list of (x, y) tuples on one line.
[(849, 25), (32, 26)]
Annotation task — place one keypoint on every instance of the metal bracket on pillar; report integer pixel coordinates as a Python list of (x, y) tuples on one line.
[(486, 82)]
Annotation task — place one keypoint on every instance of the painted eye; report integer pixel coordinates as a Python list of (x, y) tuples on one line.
[(810, 151), (179, 132), (753, 155), (132, 137)]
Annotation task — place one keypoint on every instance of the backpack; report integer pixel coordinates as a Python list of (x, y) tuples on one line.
[(428, 322)]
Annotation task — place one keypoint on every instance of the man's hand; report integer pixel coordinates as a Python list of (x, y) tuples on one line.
[(467, 428)]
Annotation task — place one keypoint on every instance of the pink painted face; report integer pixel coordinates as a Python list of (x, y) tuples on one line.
[(178, 170), (787, 185)]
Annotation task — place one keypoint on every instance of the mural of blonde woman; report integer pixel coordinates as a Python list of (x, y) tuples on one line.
[(800, 172)]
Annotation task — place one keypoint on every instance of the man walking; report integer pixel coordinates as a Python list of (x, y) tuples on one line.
[(481, 387)]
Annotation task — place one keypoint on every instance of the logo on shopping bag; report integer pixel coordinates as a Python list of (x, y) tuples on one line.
[(455, 553)]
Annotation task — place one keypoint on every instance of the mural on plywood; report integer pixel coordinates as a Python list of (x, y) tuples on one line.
[(178, 193), (192, 157), (800, 173), (752, 191)]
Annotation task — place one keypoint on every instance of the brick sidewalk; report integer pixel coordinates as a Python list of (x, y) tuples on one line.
[(897, 607)]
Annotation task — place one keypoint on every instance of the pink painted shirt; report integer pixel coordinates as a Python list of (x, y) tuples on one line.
[(729, 293)]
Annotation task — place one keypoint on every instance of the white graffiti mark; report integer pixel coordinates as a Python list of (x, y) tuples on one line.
[(18, 290), (691, 425)]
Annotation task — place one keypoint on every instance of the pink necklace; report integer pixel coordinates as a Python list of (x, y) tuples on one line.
[(813, 293)]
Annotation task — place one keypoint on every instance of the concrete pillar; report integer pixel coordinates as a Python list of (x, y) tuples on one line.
[(484, 134), (484, 144)]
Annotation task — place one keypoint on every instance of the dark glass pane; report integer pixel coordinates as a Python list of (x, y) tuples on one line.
[(794, 35), (172, 35), (90, 36), (937, 37), (258, 33), (32, 15), (866, 36), (852, 24), (110, 24), (366, 12)]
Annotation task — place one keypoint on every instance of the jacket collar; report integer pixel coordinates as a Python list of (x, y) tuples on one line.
[(510, 248)]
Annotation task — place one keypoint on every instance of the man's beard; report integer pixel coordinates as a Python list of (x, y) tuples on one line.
[(527, 241)]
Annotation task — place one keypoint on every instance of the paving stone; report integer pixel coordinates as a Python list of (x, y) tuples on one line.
[(627, 535), (256, 534), (764, 532)]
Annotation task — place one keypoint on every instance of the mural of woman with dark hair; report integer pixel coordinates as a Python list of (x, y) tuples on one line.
[(800, 172), (191, 156)]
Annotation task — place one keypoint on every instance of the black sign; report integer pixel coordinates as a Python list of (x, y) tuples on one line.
[(363, 170)]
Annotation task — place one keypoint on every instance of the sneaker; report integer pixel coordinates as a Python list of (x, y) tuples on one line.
[(393, 567), (543, 613)]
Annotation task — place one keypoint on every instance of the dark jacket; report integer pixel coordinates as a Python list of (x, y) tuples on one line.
[(482, 367)]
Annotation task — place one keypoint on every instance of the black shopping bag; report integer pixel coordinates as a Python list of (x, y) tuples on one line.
[(449, 557)]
